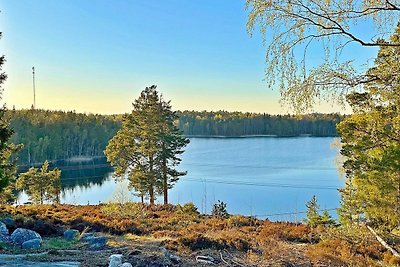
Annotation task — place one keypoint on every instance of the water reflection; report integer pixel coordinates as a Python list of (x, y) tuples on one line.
[(83, 174)]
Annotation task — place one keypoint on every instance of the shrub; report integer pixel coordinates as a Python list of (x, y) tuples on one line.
[(196, 241), (314, 218), (341, 252), (239, 221), (125, 210), (391, 260), (219, 210), (284, 231), (234, 239), (188, 209)]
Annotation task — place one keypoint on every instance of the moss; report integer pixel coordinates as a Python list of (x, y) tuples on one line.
[(58, 243), (3, 245)]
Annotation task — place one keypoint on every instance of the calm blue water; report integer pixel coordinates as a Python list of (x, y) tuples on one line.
[(254, 176)]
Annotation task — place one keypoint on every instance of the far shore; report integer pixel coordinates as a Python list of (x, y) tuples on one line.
[(256, 136)]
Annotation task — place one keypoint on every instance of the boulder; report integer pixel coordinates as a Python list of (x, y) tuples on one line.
[(8, 221), (87, 237), (97, 242), (3, 229), (175, 259), (4, 235), (126, 264), (71, 234), (115, 260), (6, 239), (32, 244), (21, 235)]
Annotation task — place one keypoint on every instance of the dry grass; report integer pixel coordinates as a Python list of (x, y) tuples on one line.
[(257, 241)]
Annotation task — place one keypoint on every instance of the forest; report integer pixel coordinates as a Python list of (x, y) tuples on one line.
[(53, 135), (223, 123), (50, 135)]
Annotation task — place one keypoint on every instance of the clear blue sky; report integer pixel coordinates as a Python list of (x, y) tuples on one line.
[(96, 56)]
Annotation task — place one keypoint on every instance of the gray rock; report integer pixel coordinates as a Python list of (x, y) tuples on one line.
[(4, 235), (32, 244), (8, 221), (115, 260), (97, 243), (87, 237), (21, 235), (3, 229), (166, 252), (126, 264), (6, 239), (71, 234), (175, 259)]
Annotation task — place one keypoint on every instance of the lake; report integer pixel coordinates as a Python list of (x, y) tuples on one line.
[(265, 177)]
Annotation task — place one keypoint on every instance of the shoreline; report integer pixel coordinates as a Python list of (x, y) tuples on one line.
[(257, 136)]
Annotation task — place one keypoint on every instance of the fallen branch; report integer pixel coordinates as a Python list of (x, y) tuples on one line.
[(232, 257), (205, 259), (222, 258), (383, 243), (87, 228)]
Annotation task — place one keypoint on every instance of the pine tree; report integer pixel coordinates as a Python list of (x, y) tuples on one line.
[(326, 219), (371, 144), (41, 185), (7, 166), (313, 217), (219, 210), (148, 146), (172, 144), (350, 211)]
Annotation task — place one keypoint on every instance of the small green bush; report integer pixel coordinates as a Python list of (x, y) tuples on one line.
[(219, 210), (3, 245), (314, 218), (188, 209), (239, 221), (58, 243)]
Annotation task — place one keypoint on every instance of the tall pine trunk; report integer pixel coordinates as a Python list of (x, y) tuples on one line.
[(151, 187), (165, 177), (151, 194), (165, 182)]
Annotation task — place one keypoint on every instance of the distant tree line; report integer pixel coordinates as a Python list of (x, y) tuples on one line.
[(223, 123), (52, 135)]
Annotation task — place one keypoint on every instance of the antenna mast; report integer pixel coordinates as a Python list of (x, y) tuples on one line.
[(34, 93)]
